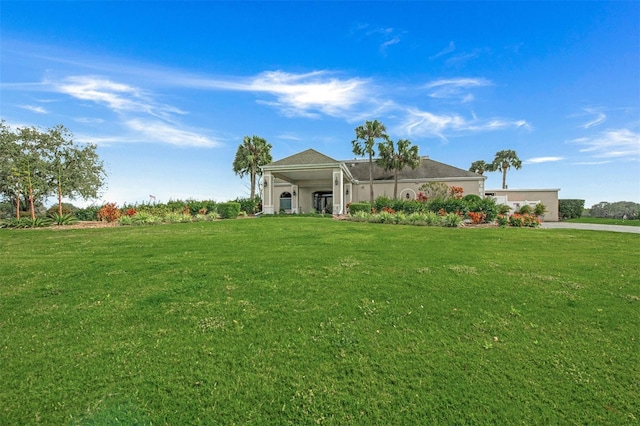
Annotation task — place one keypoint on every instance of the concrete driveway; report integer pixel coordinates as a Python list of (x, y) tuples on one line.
[(591, 227)]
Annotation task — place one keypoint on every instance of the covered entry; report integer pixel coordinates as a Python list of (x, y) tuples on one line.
[(323, 201)]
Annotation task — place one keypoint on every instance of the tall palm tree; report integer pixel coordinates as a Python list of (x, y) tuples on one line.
[(479, 167), (252, 153), (364, 144), (504, 161), (396, 160)]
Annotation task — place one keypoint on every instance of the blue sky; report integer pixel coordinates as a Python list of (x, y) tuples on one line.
[(167, 90)]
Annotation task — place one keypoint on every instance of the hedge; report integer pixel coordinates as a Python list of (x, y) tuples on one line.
[(570, 209), (229, 210), (359, 207)]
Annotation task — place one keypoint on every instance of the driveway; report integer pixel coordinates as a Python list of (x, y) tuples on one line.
[(591, 227)]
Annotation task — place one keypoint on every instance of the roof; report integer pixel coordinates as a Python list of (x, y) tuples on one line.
[(428, 169), (308, 157)]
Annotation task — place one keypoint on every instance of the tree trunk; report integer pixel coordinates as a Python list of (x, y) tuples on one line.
[(395, 184), (59, 199), (253, 182), (31, 207), (18, 205), (370, 179), (504, 178)]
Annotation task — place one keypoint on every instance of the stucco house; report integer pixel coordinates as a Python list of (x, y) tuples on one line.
[(311, 181)]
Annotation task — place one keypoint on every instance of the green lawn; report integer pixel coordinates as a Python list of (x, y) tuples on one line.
[(603, 221), (312, 321)]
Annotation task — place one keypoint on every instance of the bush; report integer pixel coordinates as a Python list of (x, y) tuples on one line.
[(359, 207), (486, 206), (109, 212), (229, 210), (570, 209), (540, 209), (87, 214), (67, 208), (249, 205), (472, 199), (452, 220), (503, 220), (63, 219), (448, 205), (503, 209), (525, 209), (520, 220)]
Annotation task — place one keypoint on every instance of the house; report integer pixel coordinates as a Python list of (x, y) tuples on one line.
[(311, 181)]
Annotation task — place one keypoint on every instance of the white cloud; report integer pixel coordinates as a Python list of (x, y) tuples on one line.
[(599, 118), (611, 143), (36, 109), (455, 88), (116, 96), (158, 131), (538, 160), (424, 123), (450, 48)]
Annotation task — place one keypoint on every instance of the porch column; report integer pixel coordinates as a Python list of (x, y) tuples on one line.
[(338, 192), (267, 203), (295, 196)]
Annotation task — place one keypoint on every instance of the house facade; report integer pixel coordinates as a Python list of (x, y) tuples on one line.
[(311, 181)]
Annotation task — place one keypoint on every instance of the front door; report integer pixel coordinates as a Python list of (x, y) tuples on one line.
[(323, 201)]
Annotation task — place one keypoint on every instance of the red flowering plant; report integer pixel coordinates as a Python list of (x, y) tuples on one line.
[(388, 210), (130, 212), (456, 192), (109, 213), (422, 197), (477, 217)]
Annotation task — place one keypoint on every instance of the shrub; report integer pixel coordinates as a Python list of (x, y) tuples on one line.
[(125, 220), (477, 217), (88, 213), (359, 207), (432, 190), (360, 216), (387, 216), (503, 220), (472, 199), (503, 209), (109, 212), (525, 209), (540, 209), (249, 205), (520, 220), (144, 218), (570, 209), (67, 208), (486, 205), (448, 205), (452, 220), (433, 219), (63, 219), (229, 210)]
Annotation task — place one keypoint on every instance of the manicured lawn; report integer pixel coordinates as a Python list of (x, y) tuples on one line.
[(603, 221), (305, 321)]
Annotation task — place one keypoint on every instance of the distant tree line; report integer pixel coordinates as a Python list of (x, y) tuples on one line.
[(616, 210), (37, 164)]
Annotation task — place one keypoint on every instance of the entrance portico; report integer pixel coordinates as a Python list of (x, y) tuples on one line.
[(313, 180)]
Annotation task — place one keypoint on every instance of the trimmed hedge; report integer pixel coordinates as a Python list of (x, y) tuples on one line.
[(570, 209), (229, 210), (359, 207)]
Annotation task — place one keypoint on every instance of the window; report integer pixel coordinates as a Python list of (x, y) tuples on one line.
[(285, 201)]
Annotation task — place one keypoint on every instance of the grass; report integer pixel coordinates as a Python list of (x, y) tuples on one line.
[(306, 321), (604, 221)]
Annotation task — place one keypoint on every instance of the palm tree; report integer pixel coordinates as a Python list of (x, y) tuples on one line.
[(396, 160), (364, 144), (252, 153), (479, 167), (504, 161)]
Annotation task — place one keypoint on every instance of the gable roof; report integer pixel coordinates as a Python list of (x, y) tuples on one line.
[(308, 157), (428, 169)]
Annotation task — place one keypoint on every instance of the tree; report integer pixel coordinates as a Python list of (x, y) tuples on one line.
[(252, 153), (503, 161), (75, 171), (396, 160), (364, 144), (38, 164), (479, 167)]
